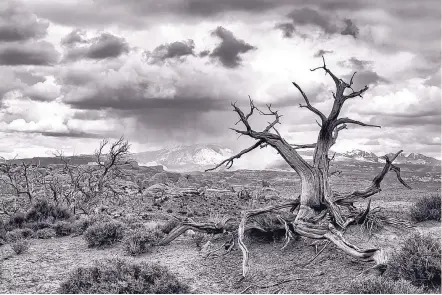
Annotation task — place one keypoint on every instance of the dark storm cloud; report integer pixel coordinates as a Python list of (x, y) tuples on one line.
[(309, 16), (288, 29), (176, 50), (322, 52), (322, 19), (102, 47), (19, 24), (229, 50), (30, 53), (350, 28)]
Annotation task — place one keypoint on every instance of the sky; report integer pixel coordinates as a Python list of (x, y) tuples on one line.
[(165, 72)]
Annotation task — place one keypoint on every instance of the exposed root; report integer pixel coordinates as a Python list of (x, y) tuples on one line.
[(241, 229)]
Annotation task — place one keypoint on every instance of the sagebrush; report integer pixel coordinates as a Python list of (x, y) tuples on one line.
[(104, 233), (427, 208), (381, 285), (417, 261), (118, 276), (142, 240)]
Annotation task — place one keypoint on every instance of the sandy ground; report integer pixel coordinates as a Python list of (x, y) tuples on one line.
[(48, 262)]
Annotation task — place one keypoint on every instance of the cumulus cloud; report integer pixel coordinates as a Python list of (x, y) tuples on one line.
[(17, 23)]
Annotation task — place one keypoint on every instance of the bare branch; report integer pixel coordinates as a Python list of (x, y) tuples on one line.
[(351, 121), (308, 105), (356, 93), (303, 146), (375, 186), (327, 71), (397, 170), (229, 162)]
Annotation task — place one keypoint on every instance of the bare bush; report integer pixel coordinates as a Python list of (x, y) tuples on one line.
[(91, 185)]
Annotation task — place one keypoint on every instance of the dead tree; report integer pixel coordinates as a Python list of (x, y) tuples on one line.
[(319, 212), (21, 182), (90, 185)]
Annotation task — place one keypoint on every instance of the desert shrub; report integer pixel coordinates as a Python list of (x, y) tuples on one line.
[(62, 228), (17, 220), (381, 285), (104, 233), (118, 276), (18, 234), (427, 208), (35, 226), (141, 240), (418, 261), (42, 210), (169, 226), (198, 239), (20, 246), (79, 226), (46, 233)]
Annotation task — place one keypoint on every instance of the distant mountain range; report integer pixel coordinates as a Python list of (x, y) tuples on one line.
[(185, 158), (199, 157)]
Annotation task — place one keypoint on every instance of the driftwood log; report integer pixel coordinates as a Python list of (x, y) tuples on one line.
[(319, 212)]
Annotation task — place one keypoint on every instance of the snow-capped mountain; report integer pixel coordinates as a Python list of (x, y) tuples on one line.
[(415, 158), (359, 155), (182, 157)]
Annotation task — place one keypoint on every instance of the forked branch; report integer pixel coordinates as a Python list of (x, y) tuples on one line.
[(229, 162), (351, 121), (308, 105), (375, 187)]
